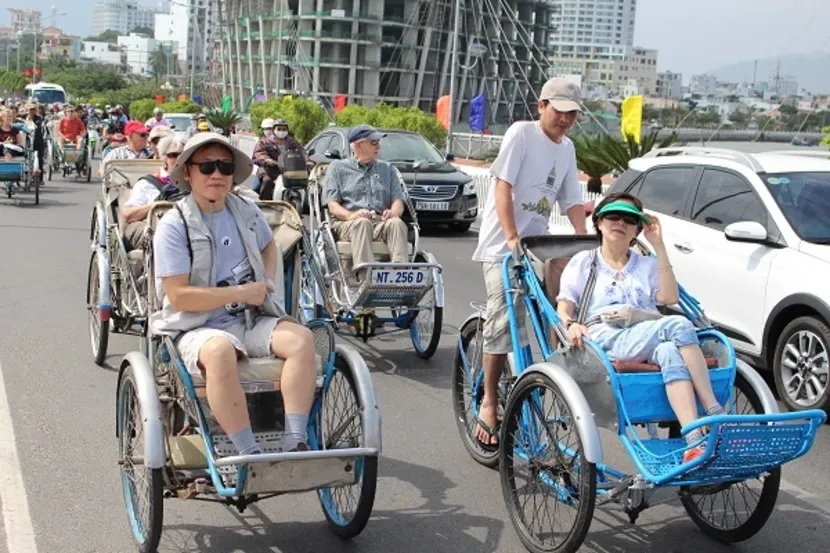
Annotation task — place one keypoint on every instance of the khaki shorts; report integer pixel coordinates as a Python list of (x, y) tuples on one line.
[(252, 343), (497, 324)]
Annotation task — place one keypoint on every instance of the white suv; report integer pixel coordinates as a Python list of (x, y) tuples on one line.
[(749, 237)]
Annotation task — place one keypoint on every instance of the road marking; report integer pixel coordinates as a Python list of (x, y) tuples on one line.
[(17, 523)]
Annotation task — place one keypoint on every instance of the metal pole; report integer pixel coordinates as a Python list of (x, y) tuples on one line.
[(453, 71)]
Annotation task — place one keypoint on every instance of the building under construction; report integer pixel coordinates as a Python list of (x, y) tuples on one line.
[(394, 51)]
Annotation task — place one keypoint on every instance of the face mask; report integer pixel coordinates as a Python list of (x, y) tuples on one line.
[(269, 132), (281, 134)]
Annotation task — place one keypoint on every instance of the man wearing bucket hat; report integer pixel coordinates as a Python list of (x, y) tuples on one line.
[(216, 261), (535, 168)]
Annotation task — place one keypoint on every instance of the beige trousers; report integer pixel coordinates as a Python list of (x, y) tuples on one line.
[(361, 232)]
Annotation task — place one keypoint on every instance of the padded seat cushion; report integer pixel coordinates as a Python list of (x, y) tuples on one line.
[(378, 248), (625, 367), (259, 369)]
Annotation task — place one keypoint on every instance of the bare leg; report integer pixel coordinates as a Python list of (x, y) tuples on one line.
[(295, 344), (224, 392), (696, 363), (682, 400), (488, 413)]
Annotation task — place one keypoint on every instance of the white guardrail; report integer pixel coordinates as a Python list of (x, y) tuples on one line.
[(481, 176)]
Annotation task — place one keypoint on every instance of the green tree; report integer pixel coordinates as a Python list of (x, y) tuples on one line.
[(304, 116), (158, 62), (11, 81), (142, 109), (587, 162), (188, 106), (143, 31), (390, 117), (109, 35), (223, 120), (83, 82)]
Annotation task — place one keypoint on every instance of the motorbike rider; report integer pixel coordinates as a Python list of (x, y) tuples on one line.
[(275, 140)]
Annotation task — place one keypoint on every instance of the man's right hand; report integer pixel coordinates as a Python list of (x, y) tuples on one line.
[(254, 293), (365, 213)]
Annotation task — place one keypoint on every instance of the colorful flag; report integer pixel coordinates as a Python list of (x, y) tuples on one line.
[(442, 111), (631, 123)]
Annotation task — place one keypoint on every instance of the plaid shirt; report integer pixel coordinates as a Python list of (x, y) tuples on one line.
[(357, 186), (125, 152)]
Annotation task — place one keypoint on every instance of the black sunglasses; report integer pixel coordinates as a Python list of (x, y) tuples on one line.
[(627, 219), (173, 154), (208, 167)]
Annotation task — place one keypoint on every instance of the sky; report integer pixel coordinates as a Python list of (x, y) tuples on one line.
[(691, 36)]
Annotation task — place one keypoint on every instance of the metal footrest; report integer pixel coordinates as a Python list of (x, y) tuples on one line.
[(394, 285), (738, 447)]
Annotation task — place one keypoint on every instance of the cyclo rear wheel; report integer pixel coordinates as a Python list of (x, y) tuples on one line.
[(547, 439), (99, 329)]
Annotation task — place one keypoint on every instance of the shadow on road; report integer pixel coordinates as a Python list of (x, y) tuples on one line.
[(434, 526)]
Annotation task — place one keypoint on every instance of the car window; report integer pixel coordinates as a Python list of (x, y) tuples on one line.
[(323, 144), (664, 189), (724, 198), (336, 144)]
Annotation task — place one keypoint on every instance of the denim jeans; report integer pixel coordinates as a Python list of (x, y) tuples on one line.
[(656, 342)]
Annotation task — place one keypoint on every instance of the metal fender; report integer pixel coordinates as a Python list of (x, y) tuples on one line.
[(759, 385), (154, 454), (103, 280), (437, 279), (366, 395), (587, 428), (101, 239)]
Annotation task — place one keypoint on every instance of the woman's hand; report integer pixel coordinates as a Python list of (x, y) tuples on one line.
[(653, 232), (575, 334)]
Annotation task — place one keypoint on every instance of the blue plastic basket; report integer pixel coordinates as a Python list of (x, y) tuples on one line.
[(12, 170), (738, 447)]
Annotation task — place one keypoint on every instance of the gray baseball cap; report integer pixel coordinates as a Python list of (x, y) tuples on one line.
[(562, 94)]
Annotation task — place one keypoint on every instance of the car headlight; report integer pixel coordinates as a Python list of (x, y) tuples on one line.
[(470, 188)]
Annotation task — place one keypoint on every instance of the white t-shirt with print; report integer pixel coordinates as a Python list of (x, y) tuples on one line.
[(541, 172)]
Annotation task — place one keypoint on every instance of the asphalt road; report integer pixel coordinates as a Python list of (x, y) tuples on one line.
[(431, 495)]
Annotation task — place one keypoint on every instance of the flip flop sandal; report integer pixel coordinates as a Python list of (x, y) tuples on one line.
[(491, 432)]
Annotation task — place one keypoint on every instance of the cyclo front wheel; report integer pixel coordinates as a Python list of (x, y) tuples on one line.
[(339, 425), (542, 454), (142, 487), (99, 328)]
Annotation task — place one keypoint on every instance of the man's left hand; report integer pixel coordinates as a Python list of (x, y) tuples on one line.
[(390, 214)]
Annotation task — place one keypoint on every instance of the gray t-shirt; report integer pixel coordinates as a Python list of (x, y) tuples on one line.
[(232, 265)]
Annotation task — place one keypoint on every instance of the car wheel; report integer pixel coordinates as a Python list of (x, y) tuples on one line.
[(800, 365)]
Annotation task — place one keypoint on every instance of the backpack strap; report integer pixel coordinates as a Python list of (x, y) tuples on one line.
[(588, 291), (186, 232), (152, 179)]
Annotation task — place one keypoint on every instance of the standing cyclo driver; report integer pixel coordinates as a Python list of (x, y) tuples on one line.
[(230, 264), (536, 167), (357, 189)]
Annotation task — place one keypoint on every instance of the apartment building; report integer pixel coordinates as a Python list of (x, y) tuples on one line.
[(395, 51), (120, 15)]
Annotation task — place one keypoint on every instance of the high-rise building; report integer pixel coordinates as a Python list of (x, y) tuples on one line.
[(120, 15), (190, 24), (593, 28), (24, 20), (594, 39), (395, 51)]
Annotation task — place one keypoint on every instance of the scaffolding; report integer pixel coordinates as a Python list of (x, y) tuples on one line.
[(392, 51)]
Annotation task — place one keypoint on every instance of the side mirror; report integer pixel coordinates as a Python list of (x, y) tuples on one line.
[(417, 164), (450, 157), (310, 152), (331, 154), (746, 231)]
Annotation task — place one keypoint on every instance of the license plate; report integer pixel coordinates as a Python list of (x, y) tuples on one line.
[(432, 206), (396, 277)]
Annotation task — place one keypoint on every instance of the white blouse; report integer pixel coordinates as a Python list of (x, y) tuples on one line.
[(636, 284)]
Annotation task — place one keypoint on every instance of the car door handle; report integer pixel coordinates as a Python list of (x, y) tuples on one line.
[(685, 247)]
